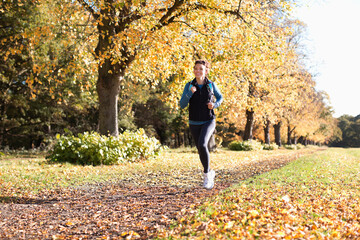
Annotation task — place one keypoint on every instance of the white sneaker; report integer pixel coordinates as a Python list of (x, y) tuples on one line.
[(209, 179)]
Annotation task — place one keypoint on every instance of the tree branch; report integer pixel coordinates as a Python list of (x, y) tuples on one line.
[(89, 8), (191, 27), (239, 6), (166, 19), (231, 12)]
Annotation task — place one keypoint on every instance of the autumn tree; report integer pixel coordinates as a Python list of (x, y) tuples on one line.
[(44, 86), (138, 34)]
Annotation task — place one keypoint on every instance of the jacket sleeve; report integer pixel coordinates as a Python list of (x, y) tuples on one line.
[(187, 94), (218, 96)]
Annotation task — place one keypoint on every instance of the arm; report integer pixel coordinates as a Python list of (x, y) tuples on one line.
[(185, 98), (218, 96)]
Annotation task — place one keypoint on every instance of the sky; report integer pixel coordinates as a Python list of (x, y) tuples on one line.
[(332, 42)]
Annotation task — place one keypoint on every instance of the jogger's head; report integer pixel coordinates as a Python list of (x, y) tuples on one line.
[(201, 68)]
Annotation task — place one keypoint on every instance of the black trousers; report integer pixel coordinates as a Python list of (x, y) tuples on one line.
[(201, 135)]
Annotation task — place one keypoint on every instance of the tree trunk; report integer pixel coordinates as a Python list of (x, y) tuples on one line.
[(295, 138), (110, 73), (267, 132), (108, 92), (277, 128), (178, 139), (184, 138), (248, 135), (289, 135), (108, 83), (190, 137), (2, 131)]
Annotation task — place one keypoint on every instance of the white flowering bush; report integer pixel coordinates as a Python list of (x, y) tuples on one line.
[(91, 148)]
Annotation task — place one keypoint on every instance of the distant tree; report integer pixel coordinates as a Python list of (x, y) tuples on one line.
[(350, 128)]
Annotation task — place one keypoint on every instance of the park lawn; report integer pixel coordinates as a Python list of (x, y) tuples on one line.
[(314, 197), (28, 176)]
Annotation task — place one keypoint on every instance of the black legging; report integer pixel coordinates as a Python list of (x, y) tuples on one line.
[(201, 135)]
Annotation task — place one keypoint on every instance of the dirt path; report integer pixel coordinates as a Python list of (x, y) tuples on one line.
[(114, 210)]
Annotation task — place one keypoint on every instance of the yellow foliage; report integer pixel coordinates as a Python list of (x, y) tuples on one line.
[(254, 63)]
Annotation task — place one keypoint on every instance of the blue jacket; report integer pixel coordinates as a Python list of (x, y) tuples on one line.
[(198, 109)]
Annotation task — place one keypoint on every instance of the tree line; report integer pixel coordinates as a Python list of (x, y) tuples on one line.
[(112, 65), (348, 132)]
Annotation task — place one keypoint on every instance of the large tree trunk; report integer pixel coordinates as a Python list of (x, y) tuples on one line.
[(248, 134), (267, 132), (108, 83), (277, 128), (108, 92)]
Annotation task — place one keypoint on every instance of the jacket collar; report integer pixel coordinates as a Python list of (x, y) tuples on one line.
[(194, 82)]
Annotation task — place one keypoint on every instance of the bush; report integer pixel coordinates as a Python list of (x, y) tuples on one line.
[(290, 147), (300, 146), (249, 145), (272, 146), (94, 149), (294, 146)]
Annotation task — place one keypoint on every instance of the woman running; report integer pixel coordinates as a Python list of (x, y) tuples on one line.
[(199, 94)]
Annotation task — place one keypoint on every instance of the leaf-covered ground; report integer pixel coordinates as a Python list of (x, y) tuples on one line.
[(315, 197), (139, 200)]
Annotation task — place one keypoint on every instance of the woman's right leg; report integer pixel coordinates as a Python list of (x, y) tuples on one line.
[(195, 132), (207, 130), (201, 135)]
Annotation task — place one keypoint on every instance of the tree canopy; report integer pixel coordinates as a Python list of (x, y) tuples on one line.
[(94, 64)]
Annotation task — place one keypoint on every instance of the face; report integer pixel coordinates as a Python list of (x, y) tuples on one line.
[(200, 71)]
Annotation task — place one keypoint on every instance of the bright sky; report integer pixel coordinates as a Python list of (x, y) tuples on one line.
[(333, 33)]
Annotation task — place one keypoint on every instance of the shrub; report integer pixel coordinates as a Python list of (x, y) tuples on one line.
[(272, 146), (95, 149), (249, 145), (290, 147), (294, 146), (299, 146)]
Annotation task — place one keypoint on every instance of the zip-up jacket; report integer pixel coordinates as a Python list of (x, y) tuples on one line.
[(198, 108)]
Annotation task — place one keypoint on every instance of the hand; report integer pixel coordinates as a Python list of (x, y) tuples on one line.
[(193, 89), (210, 105)]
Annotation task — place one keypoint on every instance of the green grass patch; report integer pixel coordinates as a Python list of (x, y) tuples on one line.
[(315, 197)]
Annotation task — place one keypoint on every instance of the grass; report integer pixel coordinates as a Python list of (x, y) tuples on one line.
[(25, 176), (315, 197)]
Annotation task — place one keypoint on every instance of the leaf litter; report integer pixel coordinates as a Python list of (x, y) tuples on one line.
[(139, 206), (316, 197)]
